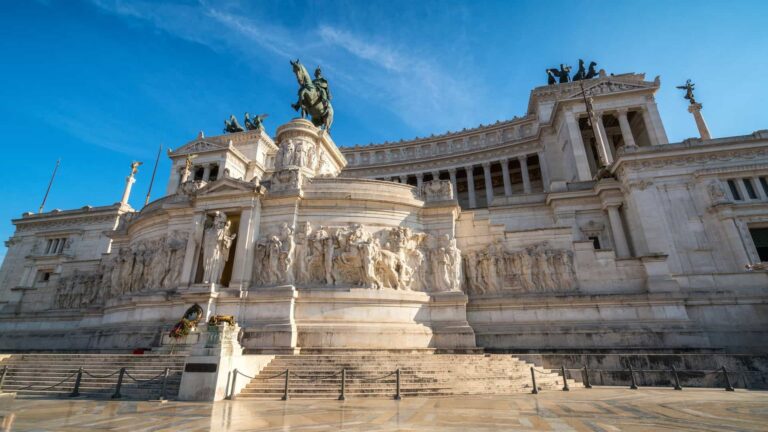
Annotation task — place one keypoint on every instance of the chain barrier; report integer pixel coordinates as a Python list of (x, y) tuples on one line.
[(47, 388), (140, 381), (101, 376), (378, 378)]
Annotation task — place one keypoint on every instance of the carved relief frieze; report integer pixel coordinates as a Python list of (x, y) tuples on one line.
[(351, 255), (537, 268)]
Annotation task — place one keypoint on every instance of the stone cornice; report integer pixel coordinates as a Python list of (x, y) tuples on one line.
[(691, 152)]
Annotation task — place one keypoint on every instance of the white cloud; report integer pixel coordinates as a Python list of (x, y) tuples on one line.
[(417, 89)]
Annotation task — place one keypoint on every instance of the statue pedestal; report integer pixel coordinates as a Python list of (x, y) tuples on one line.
[(317, 319), (208, 368)]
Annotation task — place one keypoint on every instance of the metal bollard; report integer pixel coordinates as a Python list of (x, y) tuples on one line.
[(397, 385), (165, 384), (677, 380), (117, 394), (2, 377), (565, 379), (234, 382), (285, 389), (633, 385), (728, 386), (343, 384), (76, 388), (586, 378), (533, 378)]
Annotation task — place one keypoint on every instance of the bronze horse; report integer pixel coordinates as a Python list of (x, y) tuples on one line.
[(311, 101)]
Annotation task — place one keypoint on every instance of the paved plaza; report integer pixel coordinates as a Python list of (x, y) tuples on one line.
[(599, 409)]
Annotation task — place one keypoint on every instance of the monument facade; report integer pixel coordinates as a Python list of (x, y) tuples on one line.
[(577, 226)]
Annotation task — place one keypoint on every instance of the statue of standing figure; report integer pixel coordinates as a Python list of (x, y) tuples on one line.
[(688, 87), (216, 243)]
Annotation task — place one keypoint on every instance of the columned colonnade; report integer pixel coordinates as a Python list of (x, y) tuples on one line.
[(469, 172)]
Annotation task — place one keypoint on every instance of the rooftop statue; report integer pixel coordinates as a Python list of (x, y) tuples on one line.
[(688, 87), (314, 96), (232, 126), (256, 123), (583, 74), (563, 74)]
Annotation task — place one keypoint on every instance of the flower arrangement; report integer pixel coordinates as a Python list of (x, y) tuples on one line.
[(187, 323)]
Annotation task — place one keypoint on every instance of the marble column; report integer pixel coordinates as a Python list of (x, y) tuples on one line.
[(188, 268), (695, 109), (488, 183), (404, 179), (242, 267), (617, 230), (452, 174), (471, 186), (626, 131), (435, 175), (206, 171), (658, 125), (577, 147), (524, 171), (129, 181), (505, 174), (650, 130), (608, 151), (544, 168), (419, 179)]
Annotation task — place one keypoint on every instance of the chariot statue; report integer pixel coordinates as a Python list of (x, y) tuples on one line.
[(314, 96), (232, 126), (255, 123)]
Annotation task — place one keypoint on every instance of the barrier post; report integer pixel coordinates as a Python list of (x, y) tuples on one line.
[(119, 385), (165, 384), (633, 383), (397, 384), (533, 378), (343, 384), (586, 378), (677, 380), (285, 388), (76, 388), (2, 377), (565, 379), (232, 387), (728, 386)]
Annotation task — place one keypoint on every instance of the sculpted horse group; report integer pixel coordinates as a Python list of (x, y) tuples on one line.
[(314, 96)]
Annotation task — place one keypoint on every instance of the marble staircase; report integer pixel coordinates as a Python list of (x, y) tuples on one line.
[(33, 374), (372, 375)]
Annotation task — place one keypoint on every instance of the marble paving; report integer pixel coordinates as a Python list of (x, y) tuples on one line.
[(600, 409)]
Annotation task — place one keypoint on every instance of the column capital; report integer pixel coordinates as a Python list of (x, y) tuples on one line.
[(486, 165), (469, 168), (695, 107), (504, 160), (622, 111), (419, 175), (523, 158), (452, 171)]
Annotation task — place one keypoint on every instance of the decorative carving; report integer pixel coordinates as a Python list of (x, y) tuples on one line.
[(717, 193), (79, 290), (351, 255), (216, 243), (533, 269), (437, 190), (286, 180)]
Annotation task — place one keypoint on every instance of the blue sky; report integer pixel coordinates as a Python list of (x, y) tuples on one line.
[(100, 83)]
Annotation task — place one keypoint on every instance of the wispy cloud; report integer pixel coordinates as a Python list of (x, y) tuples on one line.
[(418, 89)]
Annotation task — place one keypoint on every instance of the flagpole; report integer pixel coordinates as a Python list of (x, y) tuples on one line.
[(50, 183), (154, 170)]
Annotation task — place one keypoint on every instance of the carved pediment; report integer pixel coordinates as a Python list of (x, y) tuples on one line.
[(197, 146), (228, 185), (605, 87)]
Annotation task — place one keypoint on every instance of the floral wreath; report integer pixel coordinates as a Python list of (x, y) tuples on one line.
[(189, 321)]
